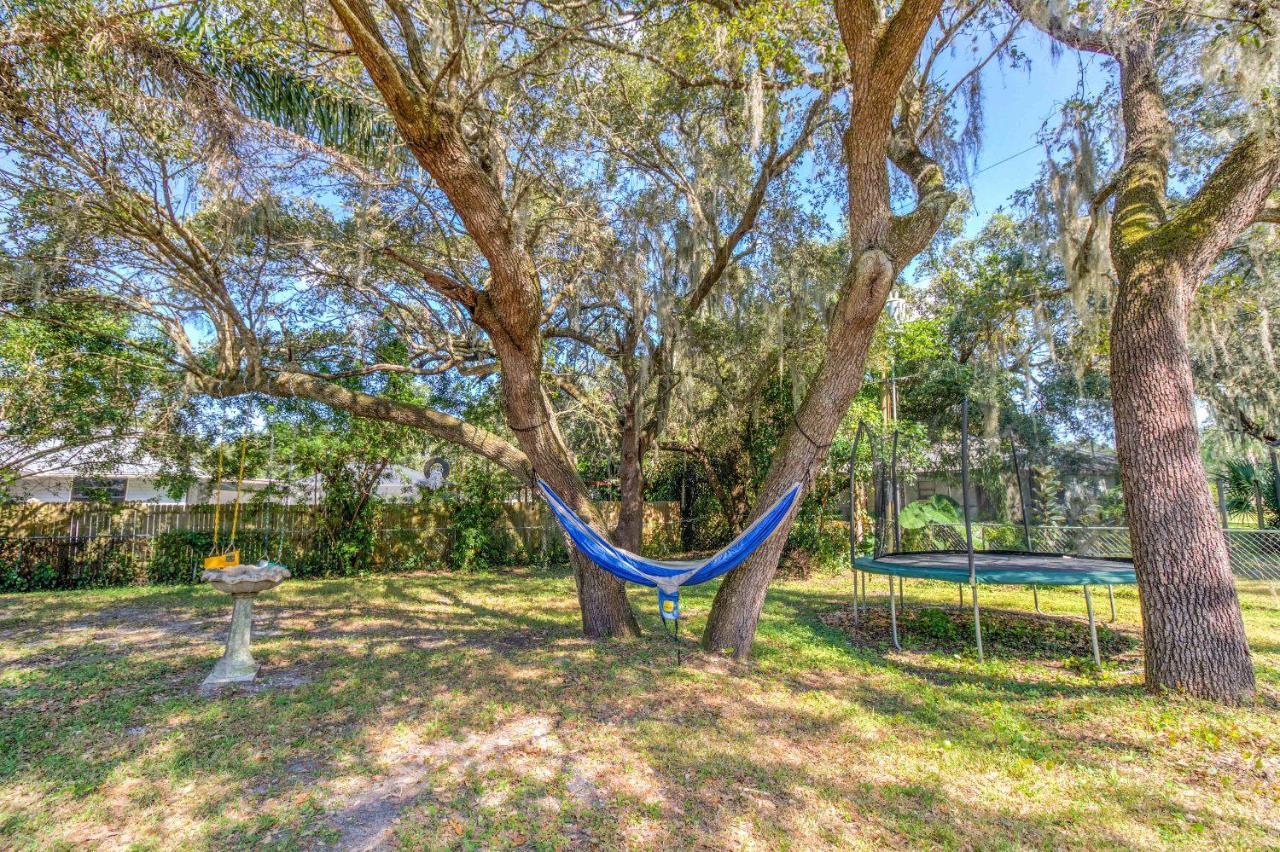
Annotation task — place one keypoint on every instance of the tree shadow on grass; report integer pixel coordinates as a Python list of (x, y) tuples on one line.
[(453, 711), (802, 609)]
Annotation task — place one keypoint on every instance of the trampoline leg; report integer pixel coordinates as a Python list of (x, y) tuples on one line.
[(1093, 628), (977, 623), (960, 587), (1111, 596), (902, 593), (893, 615), (855, 597), (1035, 594)]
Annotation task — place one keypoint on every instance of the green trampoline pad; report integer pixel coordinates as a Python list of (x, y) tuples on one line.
[(1003, 567)]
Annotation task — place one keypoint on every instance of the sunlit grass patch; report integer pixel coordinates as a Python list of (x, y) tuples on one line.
[(449, 711)]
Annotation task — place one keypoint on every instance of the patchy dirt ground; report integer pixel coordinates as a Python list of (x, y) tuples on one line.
[(465, 711)]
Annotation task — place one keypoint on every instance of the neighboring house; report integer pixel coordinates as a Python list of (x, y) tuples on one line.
[(75, 476), (398, 484), (1084, 473)]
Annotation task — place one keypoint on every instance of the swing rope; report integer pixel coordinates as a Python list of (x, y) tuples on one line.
[(235, 516), (266, 528), (217, 501)]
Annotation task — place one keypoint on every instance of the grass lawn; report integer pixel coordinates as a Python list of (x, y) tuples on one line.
[(465, 711)]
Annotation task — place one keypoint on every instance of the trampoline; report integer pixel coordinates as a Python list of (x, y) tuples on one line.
[(968, 567), (1003, 567)]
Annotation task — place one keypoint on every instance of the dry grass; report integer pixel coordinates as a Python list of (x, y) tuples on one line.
[(455, 711)]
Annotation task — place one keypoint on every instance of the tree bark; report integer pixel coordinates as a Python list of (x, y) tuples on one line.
[(1192, 626), (881, 55), (1193, 633), (629, 532), (735, 613)]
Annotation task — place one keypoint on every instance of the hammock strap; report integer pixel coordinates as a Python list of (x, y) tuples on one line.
[(820, 447)]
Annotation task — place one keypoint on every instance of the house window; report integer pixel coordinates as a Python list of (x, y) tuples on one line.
[(98, 489)]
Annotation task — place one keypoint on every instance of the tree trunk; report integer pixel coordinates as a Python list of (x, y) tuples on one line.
[(602, 596), (739, 601), (629, 533), (1193, 632)]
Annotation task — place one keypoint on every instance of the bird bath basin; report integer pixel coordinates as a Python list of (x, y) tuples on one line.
[(243, 583)]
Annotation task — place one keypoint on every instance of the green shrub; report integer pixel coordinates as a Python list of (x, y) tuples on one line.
[(1109, 510), (937, 510), (936, 625), (1009, 537), (175, 556), (99, 563), (478, 540), (815, 543), (26, 575)]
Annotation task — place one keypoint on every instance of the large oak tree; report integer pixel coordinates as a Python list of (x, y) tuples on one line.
[(1164, 242), (188, 148)]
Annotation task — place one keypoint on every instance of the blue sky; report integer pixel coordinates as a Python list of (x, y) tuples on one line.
[(1016, 104)]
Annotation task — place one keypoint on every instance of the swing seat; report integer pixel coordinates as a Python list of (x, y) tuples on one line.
[(222, 561)]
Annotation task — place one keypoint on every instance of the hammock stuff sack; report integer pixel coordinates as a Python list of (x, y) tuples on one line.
[(667, 575)]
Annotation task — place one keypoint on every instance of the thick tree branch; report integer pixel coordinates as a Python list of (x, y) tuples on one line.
[(1229, 201), (900, 43), (911, 233), (443, 283), (1268, 215), (1075, 36), (289, 384)]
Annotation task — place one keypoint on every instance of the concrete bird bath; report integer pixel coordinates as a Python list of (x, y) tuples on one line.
[(243, 583)]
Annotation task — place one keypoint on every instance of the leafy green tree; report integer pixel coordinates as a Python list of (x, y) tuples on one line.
[(1047, 506), (1167, 223), (72, 386)]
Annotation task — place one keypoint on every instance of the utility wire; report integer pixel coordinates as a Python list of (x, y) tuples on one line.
[(1007, 159)]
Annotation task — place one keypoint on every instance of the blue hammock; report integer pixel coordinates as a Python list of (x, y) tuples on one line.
[(668, 576)]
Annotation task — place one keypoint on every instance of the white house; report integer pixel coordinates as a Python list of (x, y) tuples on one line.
[(78, 475)]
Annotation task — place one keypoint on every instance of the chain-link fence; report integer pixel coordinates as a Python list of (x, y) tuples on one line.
[(1255, 554)]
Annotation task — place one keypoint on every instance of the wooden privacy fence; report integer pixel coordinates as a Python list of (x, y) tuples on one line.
[(77, 545)]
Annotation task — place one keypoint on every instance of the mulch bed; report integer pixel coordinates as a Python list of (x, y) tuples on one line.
[(1004, 633)]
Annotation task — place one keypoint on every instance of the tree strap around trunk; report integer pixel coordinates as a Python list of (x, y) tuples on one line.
[(807, 437), (530, 428)]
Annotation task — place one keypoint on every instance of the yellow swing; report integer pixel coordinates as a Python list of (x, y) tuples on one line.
[(229, 557)]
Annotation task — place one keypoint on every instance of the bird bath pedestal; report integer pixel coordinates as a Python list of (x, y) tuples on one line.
[(243, 583)]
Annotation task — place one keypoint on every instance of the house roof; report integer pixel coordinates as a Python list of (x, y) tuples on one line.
[(101, 458), (128, 460)]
